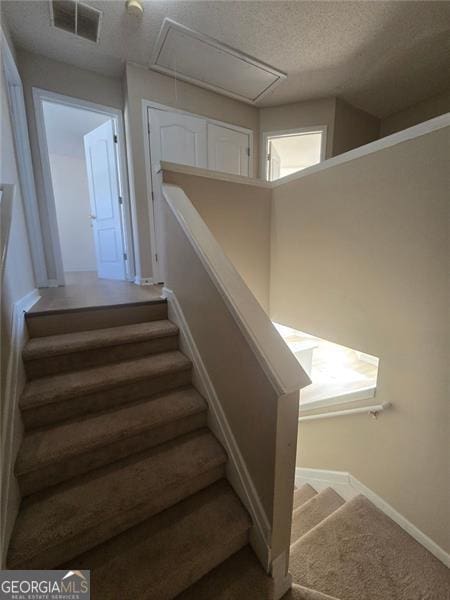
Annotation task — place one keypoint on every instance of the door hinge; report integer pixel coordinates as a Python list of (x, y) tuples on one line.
[(248, 151), (115, 138), (125, 257), (120, 200), (156, 257)]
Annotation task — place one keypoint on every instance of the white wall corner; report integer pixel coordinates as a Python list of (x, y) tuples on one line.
[(14, 382), (348, 487), (236, 469)]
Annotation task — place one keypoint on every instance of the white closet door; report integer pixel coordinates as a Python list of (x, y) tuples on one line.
[(177, 138), (228, 150)]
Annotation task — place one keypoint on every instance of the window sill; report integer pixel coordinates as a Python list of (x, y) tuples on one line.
[(306, 407)]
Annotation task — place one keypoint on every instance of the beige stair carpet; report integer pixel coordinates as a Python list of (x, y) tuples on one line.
[(242, 577), (358, 553), (312, 512), (164, 555), (49, 456), (302, 495)]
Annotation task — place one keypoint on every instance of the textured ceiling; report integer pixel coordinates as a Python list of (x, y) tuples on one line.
[(380, 56)]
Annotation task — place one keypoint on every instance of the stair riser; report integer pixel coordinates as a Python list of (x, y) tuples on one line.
[(94, 318), (64, 470), (97, 357), (211, 558), (67, 408), (51, 557)]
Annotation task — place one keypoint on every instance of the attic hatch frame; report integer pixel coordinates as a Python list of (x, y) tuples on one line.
[(169, 25), (75, 32)]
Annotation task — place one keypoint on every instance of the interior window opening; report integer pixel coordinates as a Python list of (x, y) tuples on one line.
[(291, 152), (339, 374)]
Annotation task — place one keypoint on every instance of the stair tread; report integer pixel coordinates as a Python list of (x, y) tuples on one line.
[(66, 343), (242, 577), (303, 494), (167, 553), (50, 519), (72, 438), (68, 385), (315, 510)]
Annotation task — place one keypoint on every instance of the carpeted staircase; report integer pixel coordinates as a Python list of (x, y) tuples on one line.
[(118, 470), (120, 475), (353, 551)]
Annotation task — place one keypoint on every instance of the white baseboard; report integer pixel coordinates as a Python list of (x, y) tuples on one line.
[(143, 280), (14, 382), (348, 487), (237, 472)]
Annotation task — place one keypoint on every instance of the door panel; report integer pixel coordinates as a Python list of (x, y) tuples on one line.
[(101, 165), (177, 138), (228, 150)]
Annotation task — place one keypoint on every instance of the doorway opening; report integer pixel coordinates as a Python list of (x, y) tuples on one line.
[(85, 188), (287, 152)]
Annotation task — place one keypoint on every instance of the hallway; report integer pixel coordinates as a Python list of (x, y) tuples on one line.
[(86, 289)]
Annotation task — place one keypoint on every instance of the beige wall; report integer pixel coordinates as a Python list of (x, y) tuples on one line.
[(141, 83), (360, 257), (41, 72), (353, 128), (239, 217), (300, 114), (432, 107), (263, 425)]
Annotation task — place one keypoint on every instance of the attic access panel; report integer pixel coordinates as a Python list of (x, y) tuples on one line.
[(200, 59)]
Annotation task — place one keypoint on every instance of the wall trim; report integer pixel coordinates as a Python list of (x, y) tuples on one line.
[(10, 408), (348, 486), (237, 471), (19, 124)]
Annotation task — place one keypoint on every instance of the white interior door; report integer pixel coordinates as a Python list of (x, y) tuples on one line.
[(274, 163), (228, 150), (104, 193), (177, 138)]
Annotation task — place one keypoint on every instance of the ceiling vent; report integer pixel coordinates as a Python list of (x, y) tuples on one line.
[(76, 18), (200, 59)]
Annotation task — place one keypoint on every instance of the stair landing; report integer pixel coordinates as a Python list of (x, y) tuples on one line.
[(85, 289)]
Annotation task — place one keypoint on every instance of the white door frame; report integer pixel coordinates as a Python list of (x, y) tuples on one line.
[(19, 124), (146, 104), (266, 135), (39, 96)]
